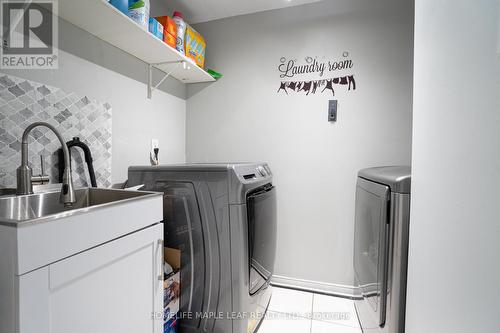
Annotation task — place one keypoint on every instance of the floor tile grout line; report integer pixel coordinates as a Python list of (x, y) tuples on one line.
[(311, 321)]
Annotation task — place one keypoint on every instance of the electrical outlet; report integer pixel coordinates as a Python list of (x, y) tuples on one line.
[(332, 111), (155, 143)]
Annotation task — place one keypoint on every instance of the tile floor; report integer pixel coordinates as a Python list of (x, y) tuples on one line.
[(295, 311)]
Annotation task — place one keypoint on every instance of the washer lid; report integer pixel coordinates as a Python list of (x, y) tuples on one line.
[(398, 178)]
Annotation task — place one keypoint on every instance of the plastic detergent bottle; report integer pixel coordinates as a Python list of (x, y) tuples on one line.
[(181, 31), (122, 5), (138, 10)]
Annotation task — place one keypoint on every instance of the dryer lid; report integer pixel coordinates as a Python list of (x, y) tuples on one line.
[(398, 178)]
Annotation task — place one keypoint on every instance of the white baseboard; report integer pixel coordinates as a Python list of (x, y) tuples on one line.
[(316, 287)]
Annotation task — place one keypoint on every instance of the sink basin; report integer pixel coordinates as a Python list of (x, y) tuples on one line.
[(16, 210), (41, 230)]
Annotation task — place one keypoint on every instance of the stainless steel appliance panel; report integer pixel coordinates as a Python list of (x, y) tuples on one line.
[(381, 247), (371, 246), (262, 228)]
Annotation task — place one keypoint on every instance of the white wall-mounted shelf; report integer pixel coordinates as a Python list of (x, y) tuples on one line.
[(104, 21)]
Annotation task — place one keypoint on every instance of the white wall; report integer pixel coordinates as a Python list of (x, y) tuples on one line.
[(454, 271), (91, 67), (242, 118)]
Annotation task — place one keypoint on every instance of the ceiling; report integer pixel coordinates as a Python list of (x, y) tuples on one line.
[(197, 11)]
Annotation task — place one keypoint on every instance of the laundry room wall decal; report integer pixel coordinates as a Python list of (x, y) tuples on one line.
[(315, 70), (311, 87)]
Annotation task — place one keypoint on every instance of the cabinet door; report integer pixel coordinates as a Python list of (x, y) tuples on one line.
[(115, 287)]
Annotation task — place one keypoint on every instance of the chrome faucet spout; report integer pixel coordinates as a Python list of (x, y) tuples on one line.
[(24, 172)]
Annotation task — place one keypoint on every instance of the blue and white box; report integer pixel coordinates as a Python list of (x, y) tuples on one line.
[(156, 28)]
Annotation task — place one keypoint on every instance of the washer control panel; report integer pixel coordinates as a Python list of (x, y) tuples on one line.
[(262, 171), (253, 172)]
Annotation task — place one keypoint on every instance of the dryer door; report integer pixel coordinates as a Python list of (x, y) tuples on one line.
[(371, 246)]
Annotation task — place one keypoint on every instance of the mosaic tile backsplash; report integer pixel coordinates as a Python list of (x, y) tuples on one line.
[(24, 102)]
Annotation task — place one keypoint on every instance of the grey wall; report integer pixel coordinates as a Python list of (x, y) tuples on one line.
[(90, 67), (242, 118), (453, 282)]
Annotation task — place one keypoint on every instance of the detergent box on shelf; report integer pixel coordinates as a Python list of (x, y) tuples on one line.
[(156, 28), (169, 30), (195, 46)]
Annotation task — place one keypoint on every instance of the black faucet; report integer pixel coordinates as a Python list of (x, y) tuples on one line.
[(88, 158)]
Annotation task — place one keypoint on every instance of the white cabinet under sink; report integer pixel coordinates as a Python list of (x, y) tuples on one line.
[(111, 288), (94, 271)]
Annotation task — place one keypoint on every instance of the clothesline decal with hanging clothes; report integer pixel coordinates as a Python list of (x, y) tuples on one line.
[(311, 87)]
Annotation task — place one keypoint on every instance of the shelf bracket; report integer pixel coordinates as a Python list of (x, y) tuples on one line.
[(152, 87)]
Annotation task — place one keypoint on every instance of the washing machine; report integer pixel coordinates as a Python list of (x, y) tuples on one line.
[(382, 220), (222, 217)]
